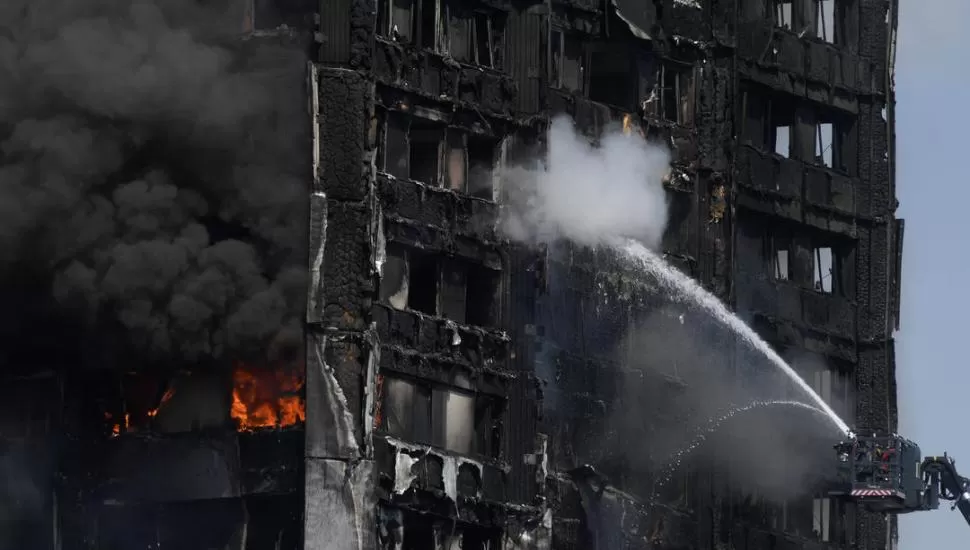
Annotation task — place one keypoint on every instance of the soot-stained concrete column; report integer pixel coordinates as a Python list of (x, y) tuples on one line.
[(344, 245)]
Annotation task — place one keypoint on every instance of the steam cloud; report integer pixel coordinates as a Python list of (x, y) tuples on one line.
[(152, 184), (589, 195)]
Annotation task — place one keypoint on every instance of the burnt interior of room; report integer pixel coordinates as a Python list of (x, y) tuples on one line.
[(440, 286), (437, 155), (469, 32)]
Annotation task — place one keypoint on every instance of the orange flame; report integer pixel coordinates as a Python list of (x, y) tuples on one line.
[(168, 395), (267, 398), (118, 428)]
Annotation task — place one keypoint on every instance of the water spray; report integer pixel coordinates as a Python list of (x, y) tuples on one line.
[(675, 459), (685, 286)]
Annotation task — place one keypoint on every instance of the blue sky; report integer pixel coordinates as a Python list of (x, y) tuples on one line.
[(933, 367)]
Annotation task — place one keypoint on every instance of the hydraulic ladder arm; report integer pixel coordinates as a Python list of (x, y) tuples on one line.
[(942, 481)]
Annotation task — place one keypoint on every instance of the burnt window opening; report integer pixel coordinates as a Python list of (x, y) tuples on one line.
[(416, 22), (824, 149), (422, 291), (394, 153), (395, 277), (673, 100), (822, 510), (779, 256), (834, 146), (456, 161), (834, 383), (411, 148), (482, 160), (613, 79), (831, 520), (824, 269), (845, 21), (832, 258), (781, 125), (568, 62), (431, 30), (825, 20), (482, 294), (458, 290), (405, 409), (769, 121), (280, 14), (470, 163), (457, 420), (424, 150), (453, 290), (782, 12), (398, 20), (777, 251), (483, 40)]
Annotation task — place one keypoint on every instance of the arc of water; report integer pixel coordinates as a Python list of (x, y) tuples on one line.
[(675, 459), (682, 284)]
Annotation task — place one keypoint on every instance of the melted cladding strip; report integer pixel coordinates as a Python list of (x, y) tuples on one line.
[(404, 462), (343, 419)]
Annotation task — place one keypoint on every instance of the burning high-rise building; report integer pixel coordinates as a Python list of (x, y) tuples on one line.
[(256, 296)]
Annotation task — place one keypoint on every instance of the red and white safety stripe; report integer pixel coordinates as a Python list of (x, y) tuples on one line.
[(873, 492)]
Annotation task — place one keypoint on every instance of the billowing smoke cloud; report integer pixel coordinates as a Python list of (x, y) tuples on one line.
[(589, 194), (151, 183)]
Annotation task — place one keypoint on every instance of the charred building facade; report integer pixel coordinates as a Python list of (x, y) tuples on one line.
[(486, 371), (464, 391)]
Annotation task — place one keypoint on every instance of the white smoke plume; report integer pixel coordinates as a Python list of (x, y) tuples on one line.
[(589, 194)]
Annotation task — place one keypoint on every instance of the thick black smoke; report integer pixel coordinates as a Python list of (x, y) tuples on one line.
[(152, 182)]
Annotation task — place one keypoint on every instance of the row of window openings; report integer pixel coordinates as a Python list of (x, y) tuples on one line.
[(825, 149), (444, 27), (459, 421), (791, 516), (826, 516), (802, 131), (439, 156), (419, 281), (823, 22), (615, 78), (824, 267)]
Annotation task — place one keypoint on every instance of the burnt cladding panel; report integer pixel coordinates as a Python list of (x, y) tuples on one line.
[(525, 43), (335, 30), (519, 434)]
